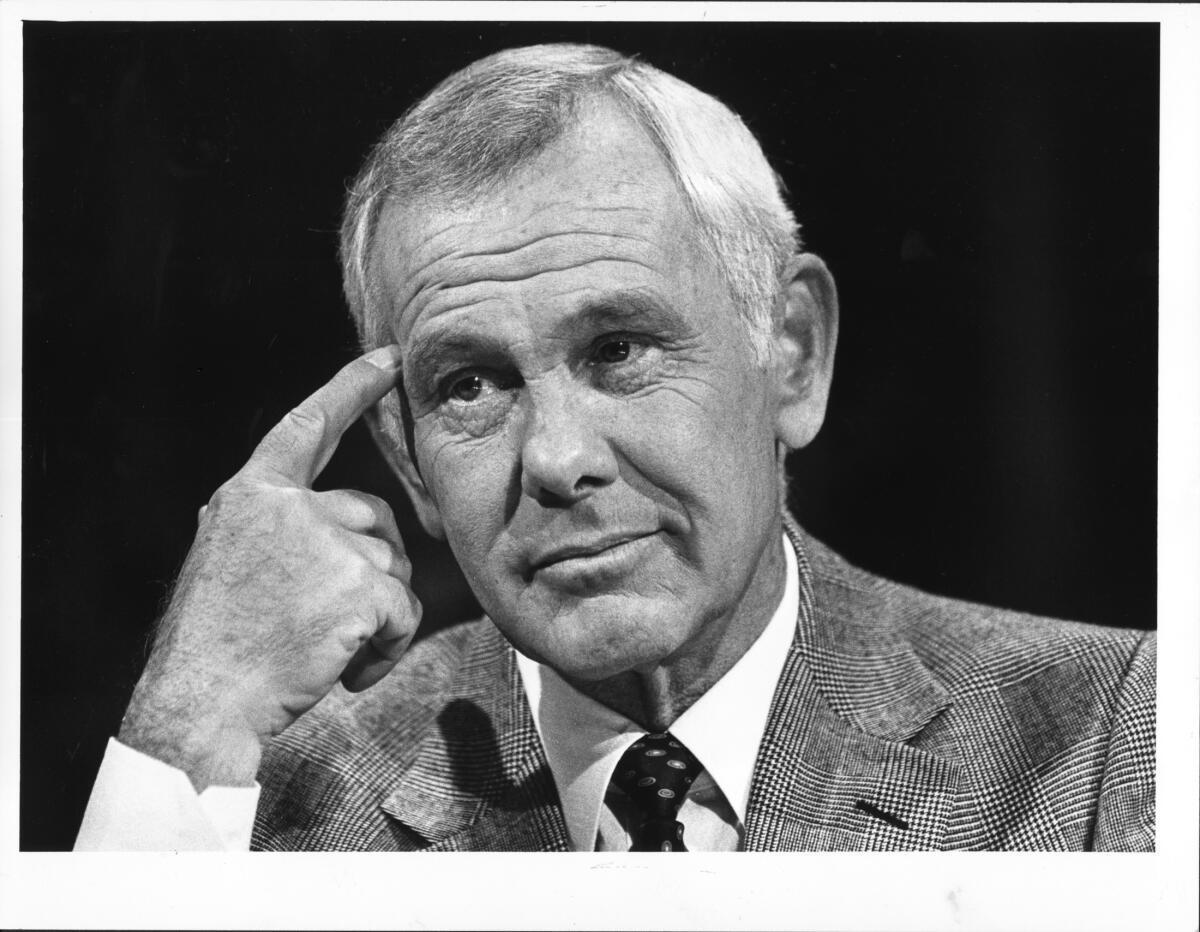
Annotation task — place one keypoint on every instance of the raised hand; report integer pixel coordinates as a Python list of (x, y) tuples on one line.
[(284, 591)]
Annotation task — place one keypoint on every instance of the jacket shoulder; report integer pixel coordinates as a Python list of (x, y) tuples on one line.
[(1050, 721), (969, 646)]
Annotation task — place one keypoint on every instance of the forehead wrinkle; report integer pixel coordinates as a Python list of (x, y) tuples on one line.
[(572, 206), (454, 271), (452, 299), (501, 278), (456, 331), (539, 239), (433, 325), (620, 215), (494, 220), (495, 223), (521, 246)]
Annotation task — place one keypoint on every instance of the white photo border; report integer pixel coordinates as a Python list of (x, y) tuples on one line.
[(584, 891)]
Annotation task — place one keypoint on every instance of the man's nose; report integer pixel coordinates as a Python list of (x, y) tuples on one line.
[(564, 458)]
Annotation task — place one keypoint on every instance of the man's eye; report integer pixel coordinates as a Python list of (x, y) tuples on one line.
[(613, 351), (475, 388), (467, 389)]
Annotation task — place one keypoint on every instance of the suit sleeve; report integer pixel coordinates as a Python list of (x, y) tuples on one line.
[(1125, 820)]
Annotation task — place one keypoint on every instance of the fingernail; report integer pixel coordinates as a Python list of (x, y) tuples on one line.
[(386, 357)]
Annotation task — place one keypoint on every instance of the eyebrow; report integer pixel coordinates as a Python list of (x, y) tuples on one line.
[(429, 348), (628, 305), (616, 308)]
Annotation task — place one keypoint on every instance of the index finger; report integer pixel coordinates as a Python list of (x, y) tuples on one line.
[(300, 445)]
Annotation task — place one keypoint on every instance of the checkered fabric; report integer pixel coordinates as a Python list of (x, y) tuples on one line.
[(901, 721)]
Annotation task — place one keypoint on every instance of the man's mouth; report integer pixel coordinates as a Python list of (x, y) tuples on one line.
[(588, 555)]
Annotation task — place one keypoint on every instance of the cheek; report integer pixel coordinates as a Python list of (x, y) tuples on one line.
[(469, 481), (714, 433)]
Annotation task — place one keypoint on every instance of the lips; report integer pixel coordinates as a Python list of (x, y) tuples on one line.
[(584, 548)]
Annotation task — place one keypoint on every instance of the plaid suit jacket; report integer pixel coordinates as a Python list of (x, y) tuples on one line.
[(901, 721)]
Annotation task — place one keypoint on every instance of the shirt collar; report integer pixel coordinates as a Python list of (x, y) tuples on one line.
[(584, 739)]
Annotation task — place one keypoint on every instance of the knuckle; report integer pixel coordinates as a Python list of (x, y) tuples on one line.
[(225, 496), (406, 605), (361, 571), (362, 509), (241, 484), (380, 551), (375, 503), (294, 498), (416, 607)]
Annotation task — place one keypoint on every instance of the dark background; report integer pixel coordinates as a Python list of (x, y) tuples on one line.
[(985, 196)]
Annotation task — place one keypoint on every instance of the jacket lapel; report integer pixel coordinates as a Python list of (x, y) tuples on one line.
[(836, 770), (480, 781)]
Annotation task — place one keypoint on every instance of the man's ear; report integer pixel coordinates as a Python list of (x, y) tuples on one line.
[(805, 344), (386, 421)]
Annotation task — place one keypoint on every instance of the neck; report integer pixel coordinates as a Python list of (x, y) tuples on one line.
[(655, 696)]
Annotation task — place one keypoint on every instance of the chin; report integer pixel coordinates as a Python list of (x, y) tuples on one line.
[(588, 672), (601, 648)]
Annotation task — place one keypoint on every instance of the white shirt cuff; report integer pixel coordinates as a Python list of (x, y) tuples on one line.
[(138, 803)]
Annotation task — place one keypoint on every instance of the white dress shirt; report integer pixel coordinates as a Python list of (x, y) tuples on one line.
[(139, 803), (584, 740)]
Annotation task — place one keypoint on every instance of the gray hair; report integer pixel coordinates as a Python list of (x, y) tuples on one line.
[(482, 123)]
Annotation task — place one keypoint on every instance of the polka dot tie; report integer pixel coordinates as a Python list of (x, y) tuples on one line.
[(656, 773)]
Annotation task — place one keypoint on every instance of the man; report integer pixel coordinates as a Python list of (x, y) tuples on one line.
[(593, 337)]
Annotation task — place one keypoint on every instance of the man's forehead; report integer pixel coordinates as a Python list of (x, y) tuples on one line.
[(603, 182)]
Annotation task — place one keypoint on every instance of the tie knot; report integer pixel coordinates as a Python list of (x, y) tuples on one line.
[(656, 773)]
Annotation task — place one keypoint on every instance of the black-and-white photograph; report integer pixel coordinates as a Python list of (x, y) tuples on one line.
[(604, 437)]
